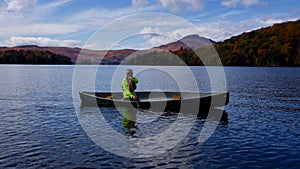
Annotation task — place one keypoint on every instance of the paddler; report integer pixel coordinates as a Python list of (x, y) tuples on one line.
[(129, 85)]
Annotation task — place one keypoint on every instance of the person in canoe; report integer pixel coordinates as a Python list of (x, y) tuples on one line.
[(129, 113), (129, 85)]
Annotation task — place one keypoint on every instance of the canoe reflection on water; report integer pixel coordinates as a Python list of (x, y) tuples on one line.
[(136, 123), (131, 121), (140, 131), (183, 102)]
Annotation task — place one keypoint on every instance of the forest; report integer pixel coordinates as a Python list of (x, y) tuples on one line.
[(277, 45), (32, 57)]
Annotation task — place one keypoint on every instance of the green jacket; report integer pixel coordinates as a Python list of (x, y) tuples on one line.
[(126, 90)]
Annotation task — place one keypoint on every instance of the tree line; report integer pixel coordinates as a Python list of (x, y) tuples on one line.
[(278, 45), (32, 57)]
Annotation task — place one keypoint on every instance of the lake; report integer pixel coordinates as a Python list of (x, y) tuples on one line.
[(42, 123)]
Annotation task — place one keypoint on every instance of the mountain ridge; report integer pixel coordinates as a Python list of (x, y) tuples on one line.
[(276, 45)]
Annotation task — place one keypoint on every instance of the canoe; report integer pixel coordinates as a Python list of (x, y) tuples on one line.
[(158, 101)]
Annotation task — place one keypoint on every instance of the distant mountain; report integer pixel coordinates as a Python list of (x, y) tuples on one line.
[(87, 56), (188, 42), (63, 51), (112, 56)]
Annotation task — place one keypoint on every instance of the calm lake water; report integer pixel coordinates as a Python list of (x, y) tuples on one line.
[(39, 127)]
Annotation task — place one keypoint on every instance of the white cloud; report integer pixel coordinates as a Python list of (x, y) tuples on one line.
[(26, 11), (17, 19), (219, 31), (148, 30), (246, 3), (41, 41), (180, 33), (174, 6), (156, 37), (17, 5), (229, 3), (35, 22), (231, 13), (179, 5), (56, 3), (13, 10), (139, 3), (268, 21), (157, 40), (39, 29)]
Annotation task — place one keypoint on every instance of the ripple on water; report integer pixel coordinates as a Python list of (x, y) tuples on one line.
[(41, 129)]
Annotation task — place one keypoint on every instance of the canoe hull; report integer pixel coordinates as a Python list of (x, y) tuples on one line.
[(158, 101)]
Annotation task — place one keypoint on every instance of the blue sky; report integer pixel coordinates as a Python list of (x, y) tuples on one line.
[(72, 22)]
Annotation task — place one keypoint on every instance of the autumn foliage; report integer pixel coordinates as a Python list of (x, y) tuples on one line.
[(32, 57), (278, 45)]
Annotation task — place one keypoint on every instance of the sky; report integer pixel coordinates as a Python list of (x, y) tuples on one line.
[(73, 23)]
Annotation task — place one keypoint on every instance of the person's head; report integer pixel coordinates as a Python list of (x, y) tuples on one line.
[(129, 73)]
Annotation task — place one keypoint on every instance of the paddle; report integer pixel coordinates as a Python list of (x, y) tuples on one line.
[(137, 102)]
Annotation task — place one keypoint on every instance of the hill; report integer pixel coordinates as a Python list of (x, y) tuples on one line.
[(32, 57), (72, 53), (178, 53), (277, 45), (87, 56), (188, 42)]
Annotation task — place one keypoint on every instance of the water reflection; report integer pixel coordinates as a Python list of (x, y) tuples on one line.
[(129, 121), (139, 133)]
